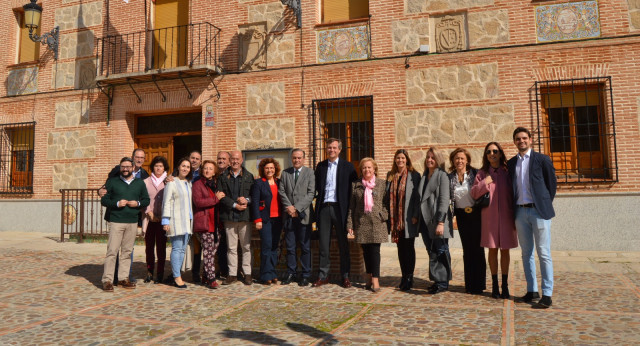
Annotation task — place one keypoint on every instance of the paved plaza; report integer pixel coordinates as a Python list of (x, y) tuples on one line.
[(51, 294)]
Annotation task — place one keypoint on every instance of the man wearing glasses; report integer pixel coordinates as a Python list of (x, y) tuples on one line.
[(125, 196)]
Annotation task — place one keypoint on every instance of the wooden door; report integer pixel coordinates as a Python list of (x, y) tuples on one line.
[(21, 170), (156, 146), (170, 33)]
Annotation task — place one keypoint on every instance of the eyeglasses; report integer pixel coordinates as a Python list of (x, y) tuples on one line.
[(492, 151), (126, 167)]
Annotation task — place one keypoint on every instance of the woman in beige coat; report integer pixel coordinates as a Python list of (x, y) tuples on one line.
[(367, 218)]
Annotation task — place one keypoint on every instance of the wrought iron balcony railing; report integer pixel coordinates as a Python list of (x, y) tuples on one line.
[(159, 49)]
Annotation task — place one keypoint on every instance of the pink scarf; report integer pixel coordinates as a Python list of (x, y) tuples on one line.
[(368, 194), (157, 181)]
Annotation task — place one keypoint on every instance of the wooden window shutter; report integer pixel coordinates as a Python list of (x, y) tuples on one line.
[(341, 10), (29, 50), (171, 45)]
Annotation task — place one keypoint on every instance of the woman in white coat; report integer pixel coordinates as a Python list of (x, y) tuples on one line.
[(177, 217)]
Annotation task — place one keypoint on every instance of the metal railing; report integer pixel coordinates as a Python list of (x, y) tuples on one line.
[(183, 45), (82, 214), (16, 158), (576, 128)]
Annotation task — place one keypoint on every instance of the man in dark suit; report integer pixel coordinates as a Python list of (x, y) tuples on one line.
[(534, 187), (333, 184), (297, 190), (138, 155)]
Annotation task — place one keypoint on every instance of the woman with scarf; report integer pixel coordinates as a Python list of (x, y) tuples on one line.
[(154, 236), (402, 188), (205, 218), (177, 216), (435, 220), (367, 218), (467, 214)]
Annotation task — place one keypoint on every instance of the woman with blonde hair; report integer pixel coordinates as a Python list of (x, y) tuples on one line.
[(435, 219), (367, 218)]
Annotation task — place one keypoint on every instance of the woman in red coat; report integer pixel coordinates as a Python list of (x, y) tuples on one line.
[(498, 225), (205, 218)]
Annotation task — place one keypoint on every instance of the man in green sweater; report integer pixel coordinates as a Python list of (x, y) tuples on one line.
[(125, 196)]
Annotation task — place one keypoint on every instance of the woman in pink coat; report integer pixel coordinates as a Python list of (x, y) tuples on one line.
[(498, 226)]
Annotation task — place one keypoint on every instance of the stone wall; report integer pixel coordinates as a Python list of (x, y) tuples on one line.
[(263, 134), (80, 74), (281, 49), (71, 145), (272, 13), (634, 15), (76, 44), (265, 98), (69, 114), (419, 6), (79, 16), (455, 83), (409, 34), (478, 124), (488, 28), (70, 176)]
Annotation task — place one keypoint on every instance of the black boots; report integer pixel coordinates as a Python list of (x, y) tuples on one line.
[(495, 291), (505, 287), (406, 283), (149, 277)]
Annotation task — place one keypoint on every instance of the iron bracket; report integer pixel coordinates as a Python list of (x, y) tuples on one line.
[(164, 97), (134, 91), (185, 86)]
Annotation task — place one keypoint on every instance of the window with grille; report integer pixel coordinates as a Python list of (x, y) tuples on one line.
[(16, 158), (27, 49), (348, 119), (577, 129), (343, 10)]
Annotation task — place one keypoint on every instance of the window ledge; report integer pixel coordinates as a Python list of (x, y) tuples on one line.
[(24, 64), (344, 22)]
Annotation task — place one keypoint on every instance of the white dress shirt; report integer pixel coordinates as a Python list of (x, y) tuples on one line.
[(330, 187), (523, 188)]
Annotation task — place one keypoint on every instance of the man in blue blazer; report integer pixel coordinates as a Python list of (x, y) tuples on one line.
[(534, 187), (333, 185)]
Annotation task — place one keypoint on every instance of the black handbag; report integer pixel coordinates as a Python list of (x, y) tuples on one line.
[(483, 201)]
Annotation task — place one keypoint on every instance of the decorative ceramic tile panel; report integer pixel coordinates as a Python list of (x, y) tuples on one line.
[(22, 81), (569, 21), (343, 44)]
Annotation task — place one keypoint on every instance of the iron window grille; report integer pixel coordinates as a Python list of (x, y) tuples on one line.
[(576, 124), (349, 119), (16, 158)]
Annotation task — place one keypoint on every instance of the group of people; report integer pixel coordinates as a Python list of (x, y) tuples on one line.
[(220, 203)]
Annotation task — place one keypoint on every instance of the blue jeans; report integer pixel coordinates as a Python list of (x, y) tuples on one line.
[(178, 246), (534, 230), (269, 240)]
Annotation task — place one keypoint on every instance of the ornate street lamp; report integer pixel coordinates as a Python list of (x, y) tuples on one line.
[(32, 14)]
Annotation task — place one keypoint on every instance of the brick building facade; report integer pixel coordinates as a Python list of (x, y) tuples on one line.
[(382, 75)]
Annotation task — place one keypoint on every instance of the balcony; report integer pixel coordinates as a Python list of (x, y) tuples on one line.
[(169, 53)]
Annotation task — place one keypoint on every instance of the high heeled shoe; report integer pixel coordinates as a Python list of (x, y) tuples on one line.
[(175, 284)]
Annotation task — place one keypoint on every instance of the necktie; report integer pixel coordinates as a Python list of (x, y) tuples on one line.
[(295, 179)]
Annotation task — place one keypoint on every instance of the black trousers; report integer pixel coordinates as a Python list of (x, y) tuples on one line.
[(329, 217), (475, 264), (407, 256), (371, 255), (223, 265)]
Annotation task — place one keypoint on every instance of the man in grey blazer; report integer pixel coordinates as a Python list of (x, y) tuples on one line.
[(297, 190)]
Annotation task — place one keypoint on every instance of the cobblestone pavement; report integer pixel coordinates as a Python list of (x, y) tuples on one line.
[(51, 294)]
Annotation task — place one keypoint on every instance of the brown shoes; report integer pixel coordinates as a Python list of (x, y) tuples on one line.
[(107, 286), (230, 279), (127, 284), (320, 282), (248, 280), (346, 283)]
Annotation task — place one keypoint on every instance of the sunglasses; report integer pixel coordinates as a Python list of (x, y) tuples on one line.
[(492, 151)]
